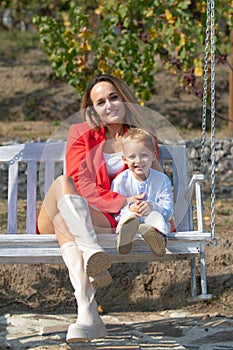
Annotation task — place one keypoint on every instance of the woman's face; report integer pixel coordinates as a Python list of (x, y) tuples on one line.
[(107, 103)]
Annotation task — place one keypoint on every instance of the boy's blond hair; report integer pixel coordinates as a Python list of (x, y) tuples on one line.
[(139, 135)]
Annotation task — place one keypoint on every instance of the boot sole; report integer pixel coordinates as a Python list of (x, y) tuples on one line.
[(126, 235), (103, 279), (79, 333), (96, 262), (154, 239)]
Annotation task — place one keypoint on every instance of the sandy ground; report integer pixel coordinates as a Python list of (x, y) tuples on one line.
[(165, 330)]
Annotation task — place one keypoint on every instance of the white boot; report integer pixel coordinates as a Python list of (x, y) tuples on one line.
[(88, 324), (74, 210)]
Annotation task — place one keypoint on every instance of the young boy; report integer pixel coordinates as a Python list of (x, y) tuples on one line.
[(151, 215)]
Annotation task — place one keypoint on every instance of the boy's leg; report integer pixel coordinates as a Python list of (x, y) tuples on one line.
[(154, 231), (126, 229)]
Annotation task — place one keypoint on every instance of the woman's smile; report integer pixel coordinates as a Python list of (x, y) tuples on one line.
[(107, 103)]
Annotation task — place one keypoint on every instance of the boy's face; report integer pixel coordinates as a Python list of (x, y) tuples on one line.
[(139, 159)]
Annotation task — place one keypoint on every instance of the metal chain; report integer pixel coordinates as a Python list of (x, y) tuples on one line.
[(213, 121), (209, 51), (205, 82), (16, 158)]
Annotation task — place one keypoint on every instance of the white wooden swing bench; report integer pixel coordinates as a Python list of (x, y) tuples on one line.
[(30, 248)]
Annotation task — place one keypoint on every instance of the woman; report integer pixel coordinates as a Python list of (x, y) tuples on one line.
[(79, 205)]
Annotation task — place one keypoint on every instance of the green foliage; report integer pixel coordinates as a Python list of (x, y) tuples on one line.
[(128, 38)]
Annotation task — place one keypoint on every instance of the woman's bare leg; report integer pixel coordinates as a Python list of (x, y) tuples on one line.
[(61, 186), (100, 222), (61, 230)]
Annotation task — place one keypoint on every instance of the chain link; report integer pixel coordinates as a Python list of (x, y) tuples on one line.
[(205, 82), (16, 158), (213, 121), (209, 54)]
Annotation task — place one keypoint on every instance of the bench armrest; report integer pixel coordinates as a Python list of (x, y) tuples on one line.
[(195, 183), (195, 178)]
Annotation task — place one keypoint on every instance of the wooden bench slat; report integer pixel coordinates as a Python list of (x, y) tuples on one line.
[(35, 249), (10, 153), (12, 197), (31, 197), (102, 238), (49, 174), (39, 151), (182, 208), (42, 257), (139, 253)]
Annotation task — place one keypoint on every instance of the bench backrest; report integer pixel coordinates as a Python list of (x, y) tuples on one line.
[(46, 155)]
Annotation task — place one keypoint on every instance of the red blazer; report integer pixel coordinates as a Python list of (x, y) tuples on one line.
[(86, 165)]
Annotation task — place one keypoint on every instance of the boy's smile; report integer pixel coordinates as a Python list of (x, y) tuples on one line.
[(139, 159)]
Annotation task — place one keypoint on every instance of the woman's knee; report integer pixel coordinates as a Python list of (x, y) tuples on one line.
[(66, 180), (65, 184)]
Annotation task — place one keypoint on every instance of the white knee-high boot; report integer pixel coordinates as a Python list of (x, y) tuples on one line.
[(88, 324), (74, 210)]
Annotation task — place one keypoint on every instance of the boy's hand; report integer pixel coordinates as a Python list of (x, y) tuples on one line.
[(136, 199), (141, 208), (144, 208), (134, 207)]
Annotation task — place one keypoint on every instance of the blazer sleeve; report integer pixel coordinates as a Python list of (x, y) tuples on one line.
[(84, 163)]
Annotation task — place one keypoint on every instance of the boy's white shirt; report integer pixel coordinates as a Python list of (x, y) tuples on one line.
[(157, 187)]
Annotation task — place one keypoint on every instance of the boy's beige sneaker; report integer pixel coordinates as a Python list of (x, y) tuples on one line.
[(128, 229), (154, 239)]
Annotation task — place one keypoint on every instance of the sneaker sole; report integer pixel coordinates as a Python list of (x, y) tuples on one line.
[(97, 263), (103, 279), (154, 239)]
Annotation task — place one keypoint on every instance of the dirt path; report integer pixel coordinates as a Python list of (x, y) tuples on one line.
[(164, 330)]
